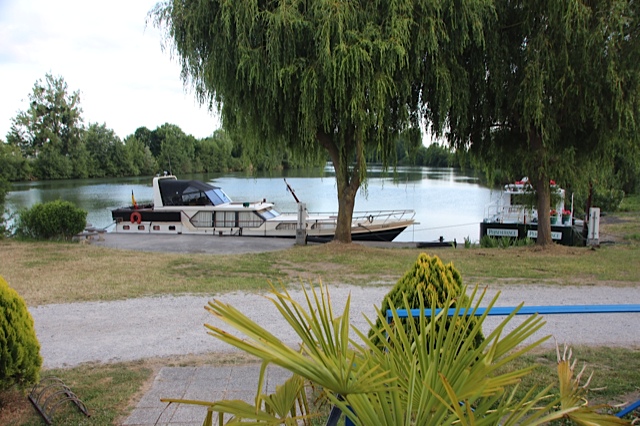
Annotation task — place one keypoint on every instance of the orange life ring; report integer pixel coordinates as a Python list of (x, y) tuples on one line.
[(136, 217)]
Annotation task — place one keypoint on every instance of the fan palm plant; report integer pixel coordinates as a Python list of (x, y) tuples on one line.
[(426, 375)]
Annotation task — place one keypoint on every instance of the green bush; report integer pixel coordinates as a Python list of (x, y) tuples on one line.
[(504, 242), (488, 242), (431, 283), (467, 242), (608, 199), (630, 203), (523, 242), (20, 359), (55, 220), (4, 188)]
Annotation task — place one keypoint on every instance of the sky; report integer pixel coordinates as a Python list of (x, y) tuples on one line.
[(105, 51)]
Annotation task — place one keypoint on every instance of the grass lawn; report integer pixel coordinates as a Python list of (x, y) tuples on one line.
[(108, 391), (45, 272)]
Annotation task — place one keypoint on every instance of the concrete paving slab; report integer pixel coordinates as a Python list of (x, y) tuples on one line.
[(207, 383), (212, 244), (209, 244)]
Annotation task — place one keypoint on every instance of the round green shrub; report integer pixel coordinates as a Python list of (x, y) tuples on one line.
[(432, 280), (4, 188), (55, 220), (20, 359)]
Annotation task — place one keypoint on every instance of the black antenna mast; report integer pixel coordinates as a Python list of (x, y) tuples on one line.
[(291, 191)]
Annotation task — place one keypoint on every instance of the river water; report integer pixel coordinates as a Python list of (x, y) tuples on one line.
[(447, 202)]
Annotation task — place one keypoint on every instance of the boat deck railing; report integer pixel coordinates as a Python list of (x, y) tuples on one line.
[(380, 217), (497, 212)]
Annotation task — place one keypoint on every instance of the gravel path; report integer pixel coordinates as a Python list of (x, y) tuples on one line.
[(71, 334)]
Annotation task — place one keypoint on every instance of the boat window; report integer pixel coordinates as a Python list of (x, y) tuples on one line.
[(289, 226), (217, 196), (195, 197), (323, 225), (190, 193), (248, 219), (225, 220), (268, 213)]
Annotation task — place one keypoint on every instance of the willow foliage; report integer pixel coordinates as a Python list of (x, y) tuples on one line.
[(318, 75), (560, 70), (554, 90)]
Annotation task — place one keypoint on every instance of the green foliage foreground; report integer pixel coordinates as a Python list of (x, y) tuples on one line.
[(430, 375), (20, 359), (55, 220), (428, 282)]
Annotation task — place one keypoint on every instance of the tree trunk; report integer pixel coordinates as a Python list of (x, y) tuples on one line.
[(346, 204), (348, 182), (544, 206), (543, 191)]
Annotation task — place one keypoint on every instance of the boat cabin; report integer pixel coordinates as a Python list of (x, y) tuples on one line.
[(516, 204), (173, 192), (514, 215)]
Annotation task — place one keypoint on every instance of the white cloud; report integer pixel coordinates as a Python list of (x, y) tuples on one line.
[(104, 51)]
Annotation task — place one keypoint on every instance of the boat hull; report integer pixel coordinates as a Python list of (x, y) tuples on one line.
[(148, 220), (563, 234), (146, 215), (386, 235)]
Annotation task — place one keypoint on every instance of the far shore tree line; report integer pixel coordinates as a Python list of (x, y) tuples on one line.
[(50, 141)]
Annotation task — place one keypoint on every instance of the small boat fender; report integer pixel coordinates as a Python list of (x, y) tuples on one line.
[(370, 218), (136, 217)]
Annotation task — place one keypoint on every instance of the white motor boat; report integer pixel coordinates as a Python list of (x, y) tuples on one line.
[(513, 215), (194, 207)]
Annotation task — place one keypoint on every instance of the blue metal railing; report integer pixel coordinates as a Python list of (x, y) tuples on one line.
[(527, 310), (531, 310)]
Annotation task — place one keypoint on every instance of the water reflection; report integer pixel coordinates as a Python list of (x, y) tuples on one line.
[(447, 202)]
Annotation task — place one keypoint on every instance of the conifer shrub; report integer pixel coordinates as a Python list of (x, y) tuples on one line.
[(54, 220), (430, 279), (20, 359)]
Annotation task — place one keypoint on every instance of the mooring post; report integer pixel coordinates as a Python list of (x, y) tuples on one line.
[(301, 229), (593, 228)]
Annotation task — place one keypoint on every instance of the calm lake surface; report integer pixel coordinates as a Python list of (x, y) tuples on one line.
[(447, 202)]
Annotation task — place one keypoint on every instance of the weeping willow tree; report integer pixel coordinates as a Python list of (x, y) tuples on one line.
[(334, 76), (554, 90)]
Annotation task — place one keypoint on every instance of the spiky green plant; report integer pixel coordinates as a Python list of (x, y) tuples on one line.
[(573, 405), (488, 242), (430, 375), (20, 359), (431, 282)]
